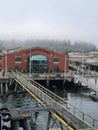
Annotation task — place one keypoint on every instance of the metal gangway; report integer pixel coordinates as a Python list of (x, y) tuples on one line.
[(86, 73), (77, 68), (71, 117), (89, 82), (88, 79)]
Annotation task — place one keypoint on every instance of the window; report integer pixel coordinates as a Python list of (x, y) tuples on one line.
[(56, 68), (39, 64), (18, 59), (56, 59)]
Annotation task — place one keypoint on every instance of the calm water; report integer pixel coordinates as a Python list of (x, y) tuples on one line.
[(80, 100)]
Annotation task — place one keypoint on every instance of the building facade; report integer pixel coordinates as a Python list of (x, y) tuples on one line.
[(34, 60), (89, 60)]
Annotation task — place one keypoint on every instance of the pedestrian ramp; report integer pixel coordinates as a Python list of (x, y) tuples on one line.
[(70, 116)]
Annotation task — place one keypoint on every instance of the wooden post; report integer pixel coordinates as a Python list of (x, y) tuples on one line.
[(1, 89), (6, 89)]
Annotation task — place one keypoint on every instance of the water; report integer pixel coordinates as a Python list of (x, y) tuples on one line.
[(78, 99), (81, 100), (84, 103)]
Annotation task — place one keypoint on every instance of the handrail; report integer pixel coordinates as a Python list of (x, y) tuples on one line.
[(93, 73), (50, 96), (87, 82), (49, 93)]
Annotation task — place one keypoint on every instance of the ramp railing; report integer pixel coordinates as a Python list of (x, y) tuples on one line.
[(65, 110)]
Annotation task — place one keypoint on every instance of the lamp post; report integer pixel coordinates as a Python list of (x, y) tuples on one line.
[(6, 61), (30, 64), (65, 68), (5, 69), (82, 66), (66, 54), (82, 62)]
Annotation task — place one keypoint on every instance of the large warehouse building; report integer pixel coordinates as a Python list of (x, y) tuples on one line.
[(34, 60)]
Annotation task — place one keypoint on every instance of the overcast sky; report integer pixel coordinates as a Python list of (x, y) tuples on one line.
[(58, 19)]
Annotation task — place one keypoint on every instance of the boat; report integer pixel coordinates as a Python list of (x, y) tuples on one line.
[(94, 96)]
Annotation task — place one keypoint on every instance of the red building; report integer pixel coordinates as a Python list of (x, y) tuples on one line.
[(34, 60)]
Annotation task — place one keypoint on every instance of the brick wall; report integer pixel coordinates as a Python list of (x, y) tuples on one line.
[(8, 60)]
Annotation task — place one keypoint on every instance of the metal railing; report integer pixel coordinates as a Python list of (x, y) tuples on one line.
[(85, 71), (66, 110), (90, 83)]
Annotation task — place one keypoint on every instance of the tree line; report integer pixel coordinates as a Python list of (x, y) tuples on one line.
[(50, 44)]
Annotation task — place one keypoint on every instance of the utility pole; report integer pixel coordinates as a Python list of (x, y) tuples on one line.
[(82, 62), (66, 54), (6, 61), (30, 63), (64, 80), (65, 68)]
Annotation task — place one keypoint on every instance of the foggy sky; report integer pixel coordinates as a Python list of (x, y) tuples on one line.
[(49, 19)]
